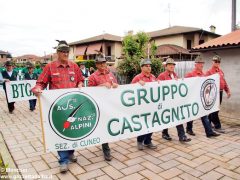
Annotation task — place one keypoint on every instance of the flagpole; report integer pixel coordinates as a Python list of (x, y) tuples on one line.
[(41, 118)]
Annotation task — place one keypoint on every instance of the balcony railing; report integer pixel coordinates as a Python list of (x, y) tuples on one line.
[(110, 58)]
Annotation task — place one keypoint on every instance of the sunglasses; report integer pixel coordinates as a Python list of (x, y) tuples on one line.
[(66, 52), (146, 66), (217, 62)]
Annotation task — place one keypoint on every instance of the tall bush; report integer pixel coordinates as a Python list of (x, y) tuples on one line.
[(135, 48)]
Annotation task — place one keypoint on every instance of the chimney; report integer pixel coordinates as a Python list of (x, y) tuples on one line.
[(212, 28), (130, 32)]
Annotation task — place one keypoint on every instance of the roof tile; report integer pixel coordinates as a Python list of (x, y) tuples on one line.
[(169, 49), (105, 36), (231, 39)]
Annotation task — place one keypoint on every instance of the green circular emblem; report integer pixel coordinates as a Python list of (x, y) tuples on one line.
[(74, 115)]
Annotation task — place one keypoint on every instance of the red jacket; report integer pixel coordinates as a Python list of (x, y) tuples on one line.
[(223, 83), (166, 76), (194, 73), (59, 76), (144, 78), (98, 78)]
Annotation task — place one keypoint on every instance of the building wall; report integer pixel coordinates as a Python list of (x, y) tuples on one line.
[(209, 37), (117, 51), (188, 37), (195, 38), (71, 52), (3, 58), (173, 39), (181, 40), (230, 65), (106, 45)]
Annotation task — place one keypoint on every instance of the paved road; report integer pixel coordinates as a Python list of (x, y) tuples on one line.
[(202, 158)]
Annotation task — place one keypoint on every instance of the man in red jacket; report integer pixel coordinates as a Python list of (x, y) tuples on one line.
[(198, 72), (103, 77), (60, 74), (169, 74), (142, 78), (215, 69)]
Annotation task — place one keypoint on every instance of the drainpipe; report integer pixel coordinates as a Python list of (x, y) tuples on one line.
[(233, 15)]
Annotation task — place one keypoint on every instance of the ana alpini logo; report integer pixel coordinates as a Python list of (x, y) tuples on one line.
[(208, 93), (74, 115)]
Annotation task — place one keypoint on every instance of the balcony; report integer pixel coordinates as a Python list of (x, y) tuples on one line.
[(110, 58)]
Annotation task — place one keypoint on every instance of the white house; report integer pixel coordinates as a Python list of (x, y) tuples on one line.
[(228, 47)]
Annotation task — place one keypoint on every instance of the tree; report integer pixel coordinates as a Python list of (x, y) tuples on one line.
[(153, 49), (135, 49), (129, 67), (130, 46), (142, 40), (156, 66), (238, 25)]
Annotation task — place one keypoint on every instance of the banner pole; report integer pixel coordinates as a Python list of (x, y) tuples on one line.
[(41, 119)]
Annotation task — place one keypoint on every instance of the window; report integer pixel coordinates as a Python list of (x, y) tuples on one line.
[(189, 44), (201, 41), (109, 49)]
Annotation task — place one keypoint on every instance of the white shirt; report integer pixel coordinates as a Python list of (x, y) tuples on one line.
[(1, 78), (10, 73), (84, 71)]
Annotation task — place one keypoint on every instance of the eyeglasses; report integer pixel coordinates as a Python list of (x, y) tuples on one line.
[(217, 62)]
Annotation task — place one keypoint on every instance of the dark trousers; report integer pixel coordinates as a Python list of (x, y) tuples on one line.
[(10, 104), (105, 148), (214, 118), (32, 104), (146, 138), (64, 156), (180, 130), (189, 126), (206, 124)]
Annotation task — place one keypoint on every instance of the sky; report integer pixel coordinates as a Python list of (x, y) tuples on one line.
[(32, 26)]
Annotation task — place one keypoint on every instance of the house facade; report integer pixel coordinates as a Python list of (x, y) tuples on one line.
[(3, 56), (88, 49), (183, 37), (186, 37), (228, 47), (48, 58), (174, 51), (26, 58)]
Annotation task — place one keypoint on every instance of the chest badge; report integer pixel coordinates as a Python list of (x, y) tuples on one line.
[(72, 78)]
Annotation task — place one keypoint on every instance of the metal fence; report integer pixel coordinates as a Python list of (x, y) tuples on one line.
[(181, 68)]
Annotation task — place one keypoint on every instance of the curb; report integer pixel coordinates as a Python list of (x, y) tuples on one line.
[(7, 159)]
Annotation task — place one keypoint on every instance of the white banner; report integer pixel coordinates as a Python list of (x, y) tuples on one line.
[(74, 118), (20, 90)]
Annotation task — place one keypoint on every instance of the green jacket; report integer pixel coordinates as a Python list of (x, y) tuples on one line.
[(13, 77)]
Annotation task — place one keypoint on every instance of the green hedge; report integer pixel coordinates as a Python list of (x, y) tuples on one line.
[(88, 63)]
